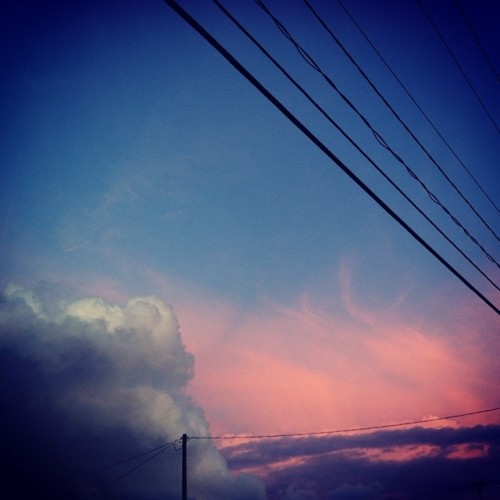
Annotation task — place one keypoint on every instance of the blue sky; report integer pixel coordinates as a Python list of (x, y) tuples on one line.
[(198, 178), (136, 161)]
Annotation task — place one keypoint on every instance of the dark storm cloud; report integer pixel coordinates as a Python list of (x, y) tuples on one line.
[(275, 450), (385, 464), (94, 384)]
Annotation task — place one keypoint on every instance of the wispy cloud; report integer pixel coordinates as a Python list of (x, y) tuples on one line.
[(305, 369), (308, 365)]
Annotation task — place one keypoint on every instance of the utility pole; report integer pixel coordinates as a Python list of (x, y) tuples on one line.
[(184, 467)]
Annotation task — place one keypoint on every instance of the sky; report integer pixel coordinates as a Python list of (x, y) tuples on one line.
[(177, 257)]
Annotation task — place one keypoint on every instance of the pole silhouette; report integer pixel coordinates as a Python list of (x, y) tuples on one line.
[(184, 467)]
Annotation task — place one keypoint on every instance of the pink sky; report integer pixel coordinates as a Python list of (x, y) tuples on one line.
[(314, 366), (302, 368)]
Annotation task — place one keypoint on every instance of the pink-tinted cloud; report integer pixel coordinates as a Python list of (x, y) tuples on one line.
[(304, 368), (312, 366), (319, 365), (438, 463)]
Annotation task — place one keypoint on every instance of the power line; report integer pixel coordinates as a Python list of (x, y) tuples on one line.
[(130, 471), (125, 460), (476, 38), (345, 135), (351, 429), (396, 114), (293, 119), (436, 29), (424, 114), (311, 62)]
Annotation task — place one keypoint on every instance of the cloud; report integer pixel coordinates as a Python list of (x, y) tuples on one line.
[(382, 464), (304, 367), (355, 492), (86, 384)]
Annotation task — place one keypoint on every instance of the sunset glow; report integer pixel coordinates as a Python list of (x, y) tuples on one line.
[(263, 261)]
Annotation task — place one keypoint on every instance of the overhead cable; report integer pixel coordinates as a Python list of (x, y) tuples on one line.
[(346, 136), (476, 38), (424, 114), (380, 139), (350, 429), (474, 91), (125, 474), (396, 114), (293, 119), (125, 460)]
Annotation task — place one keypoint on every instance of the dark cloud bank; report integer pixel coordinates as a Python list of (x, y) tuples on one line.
[(85, 384), (91, 384), (447, 463)]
